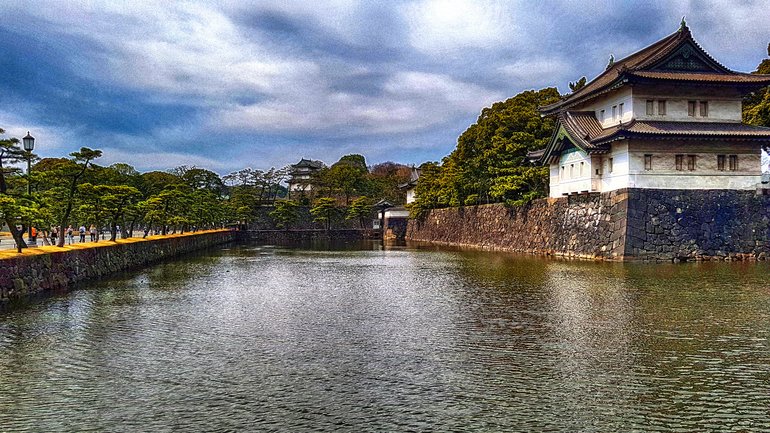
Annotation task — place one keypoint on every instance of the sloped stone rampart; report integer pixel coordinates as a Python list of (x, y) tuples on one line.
[(52, 268), (629, 224), (586, 226)]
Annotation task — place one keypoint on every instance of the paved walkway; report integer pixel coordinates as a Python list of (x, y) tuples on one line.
[(7, 243)]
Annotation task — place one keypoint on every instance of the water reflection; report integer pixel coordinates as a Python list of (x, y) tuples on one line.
[(393, 339)]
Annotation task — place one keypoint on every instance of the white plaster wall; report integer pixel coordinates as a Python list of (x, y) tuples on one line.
[(296, 187), (720, 109), (399, 213), (570, 182), (618, 177), (606, 103), (410, 196), (706, 175)]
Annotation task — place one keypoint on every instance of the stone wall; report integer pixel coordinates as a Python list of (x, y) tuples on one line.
[(261, 220), (284, 237), (586, 226), (48, 268), (699, 225), (632, 224)]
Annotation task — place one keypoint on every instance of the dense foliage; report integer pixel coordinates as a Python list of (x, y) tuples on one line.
[(489, 163), (350, 177), (756, 107), (76, 191)]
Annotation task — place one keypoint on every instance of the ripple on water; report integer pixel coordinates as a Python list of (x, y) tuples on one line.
[(299, 340)]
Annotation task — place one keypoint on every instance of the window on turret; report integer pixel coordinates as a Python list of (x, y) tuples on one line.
[(620, 110), (571, 171), (614, 112), (691, 162), (609, 165), (704, 109), (691, 108), (561, 174), (650, 107), (721, 162), (662, 108), (582, 164), (679, 162), (733, 162), (648, 162), (601, 116)]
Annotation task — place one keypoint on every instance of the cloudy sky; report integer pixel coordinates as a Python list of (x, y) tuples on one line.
[(230, 84)]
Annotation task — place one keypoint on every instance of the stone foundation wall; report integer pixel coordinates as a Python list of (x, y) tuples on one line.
[(261, 220), (50, 268), (697, 225), (629, 224), (585, 226), (283, 237)]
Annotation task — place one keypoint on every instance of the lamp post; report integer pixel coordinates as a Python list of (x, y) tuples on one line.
[(29, 146)]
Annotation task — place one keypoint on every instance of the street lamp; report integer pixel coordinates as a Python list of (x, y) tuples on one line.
[(29, 146)]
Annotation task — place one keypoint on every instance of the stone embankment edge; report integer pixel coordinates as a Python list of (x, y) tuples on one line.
[(587, 227), (624, 225), (42, 269)]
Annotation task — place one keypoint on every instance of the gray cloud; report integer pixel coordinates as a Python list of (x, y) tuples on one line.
[(237, 84)]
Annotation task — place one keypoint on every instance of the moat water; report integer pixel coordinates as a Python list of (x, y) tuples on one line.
[(264, 338)]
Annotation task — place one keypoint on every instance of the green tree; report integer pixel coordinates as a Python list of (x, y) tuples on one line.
[(154, 182), (360, 209), (347, 177), (285, 214), (386, 178), (324, 211), (489, 163), (116, 201), (200, 178), (71, 171), (756, 106), (430, 190), (577, 85), (91, 207)]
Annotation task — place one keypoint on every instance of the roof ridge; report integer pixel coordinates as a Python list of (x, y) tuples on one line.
[(619, 64), (640, 61)]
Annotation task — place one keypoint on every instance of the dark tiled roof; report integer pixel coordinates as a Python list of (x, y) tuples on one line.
[(308, 163), (534, 155), (699, 128), (582, 125), (586, 132), (646, 63), (704, 76), (683, 130)]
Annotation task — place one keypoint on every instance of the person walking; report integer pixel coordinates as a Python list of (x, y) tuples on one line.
[(70, 235), (92, 231), (82, 231), (54, 234)]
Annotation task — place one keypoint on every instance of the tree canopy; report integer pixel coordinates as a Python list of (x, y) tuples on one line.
[(490, 162), (756, 106)]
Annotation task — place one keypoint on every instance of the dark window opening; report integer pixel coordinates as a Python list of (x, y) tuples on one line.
[(691, 162), (679, 162)]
